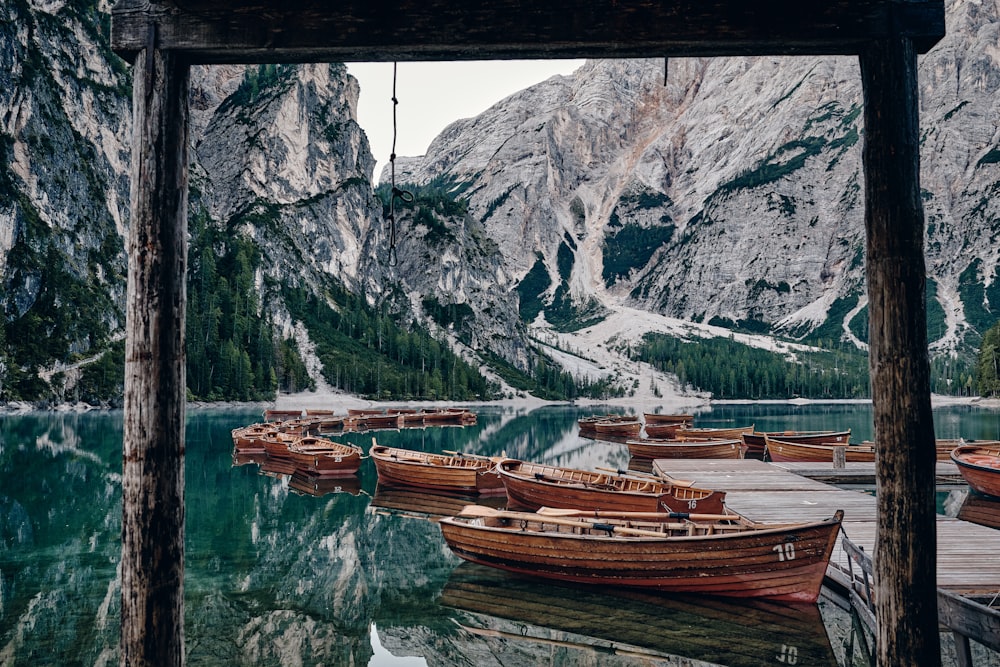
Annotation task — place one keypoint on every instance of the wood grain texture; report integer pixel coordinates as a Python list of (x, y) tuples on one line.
[(905, 552), (152, 615), (379, 30)]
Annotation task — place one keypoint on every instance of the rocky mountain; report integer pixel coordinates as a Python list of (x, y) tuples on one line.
[(729, 191), (697, 197)]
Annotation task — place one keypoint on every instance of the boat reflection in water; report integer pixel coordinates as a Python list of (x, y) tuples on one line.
[(423, 504), (520, 615), (982, 510)]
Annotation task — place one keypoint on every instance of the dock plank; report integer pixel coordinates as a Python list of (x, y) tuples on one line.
[(770, 492)]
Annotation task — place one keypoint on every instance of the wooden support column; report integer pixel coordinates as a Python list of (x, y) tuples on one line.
[(152, 567), (906, 538)]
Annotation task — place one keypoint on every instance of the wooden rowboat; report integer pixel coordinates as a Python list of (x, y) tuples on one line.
[(711, 432), (317, 455), (755, 442), (733, 558), (281, 415), (653, 418), (783, 451), (651, 448), (979, 467), (663, 430), (533, 485), (617, 428), (588, 425), (456, 473), (250, 439)]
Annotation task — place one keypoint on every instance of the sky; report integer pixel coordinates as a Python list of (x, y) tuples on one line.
[(432, 95)]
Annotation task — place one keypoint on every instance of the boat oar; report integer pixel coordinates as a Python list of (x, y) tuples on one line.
[(637, 474), (656, 516), (482, 511)]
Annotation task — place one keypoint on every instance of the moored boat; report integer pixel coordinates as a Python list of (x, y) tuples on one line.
[(250, 439), (317, 455), (534, 485), (588, 425), (456, 473), (979, 467), (656, 418), (613, 429), (784, 451), (685, 448), (732, 558), (755, 442), (272, 415), (712, 432)]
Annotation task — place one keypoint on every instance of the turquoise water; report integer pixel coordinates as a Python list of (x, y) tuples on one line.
[(348, 574)]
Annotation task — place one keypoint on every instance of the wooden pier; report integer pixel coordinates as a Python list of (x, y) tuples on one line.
[(966, 552)]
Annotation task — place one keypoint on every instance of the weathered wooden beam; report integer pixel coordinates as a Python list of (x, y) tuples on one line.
[(380, 30), (906, 542), (152, 567)]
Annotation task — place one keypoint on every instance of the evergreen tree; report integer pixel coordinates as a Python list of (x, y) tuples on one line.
[(988, 365)]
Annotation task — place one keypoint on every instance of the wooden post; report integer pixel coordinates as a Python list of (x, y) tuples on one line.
[(152, 567), (906, 541), (840, 457)]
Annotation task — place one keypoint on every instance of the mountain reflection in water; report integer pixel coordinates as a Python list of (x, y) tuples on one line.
[(283, 569)]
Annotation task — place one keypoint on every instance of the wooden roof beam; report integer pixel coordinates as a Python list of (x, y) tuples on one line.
[(377, 30)]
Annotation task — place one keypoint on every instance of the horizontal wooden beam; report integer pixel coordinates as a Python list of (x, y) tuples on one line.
[(380, 30)]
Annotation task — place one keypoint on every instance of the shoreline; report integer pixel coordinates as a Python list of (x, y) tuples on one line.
[(343, 402)]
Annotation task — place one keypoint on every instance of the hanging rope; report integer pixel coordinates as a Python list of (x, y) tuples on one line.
[(665, 63), (403, 195)]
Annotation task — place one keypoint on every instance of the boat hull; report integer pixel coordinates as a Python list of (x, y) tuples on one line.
[(979, 467), (455, 474), (685, 449), (533, 486), (782, 451), (786, 564), (755, 442)]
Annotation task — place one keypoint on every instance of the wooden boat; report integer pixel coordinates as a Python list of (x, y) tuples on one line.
[(979, 467), (250, 439), (315, 454), (448, 416), (379, 421), (533, 485), (732, 558), (654, 418), (457, 473), (782, 451), (272, 415), (663, 431), (944, 446), (617, 428), (711, 432), (683, 448), (588, 425), (754, 442), (528, 617)]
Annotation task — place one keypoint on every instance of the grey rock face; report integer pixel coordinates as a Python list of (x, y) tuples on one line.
[(738, 181)]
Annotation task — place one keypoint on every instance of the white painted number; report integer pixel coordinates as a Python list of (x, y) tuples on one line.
[(789, 655), (692, 504), (785, 551)]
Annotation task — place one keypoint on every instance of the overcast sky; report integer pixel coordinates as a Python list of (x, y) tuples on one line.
[(433, 94)]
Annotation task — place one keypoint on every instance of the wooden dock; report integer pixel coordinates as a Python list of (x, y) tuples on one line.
[(966, 552)]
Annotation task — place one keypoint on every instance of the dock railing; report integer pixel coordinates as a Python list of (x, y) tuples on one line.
[(965, 618)]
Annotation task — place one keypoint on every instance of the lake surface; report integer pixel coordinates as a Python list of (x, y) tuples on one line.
[(280, 571)]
